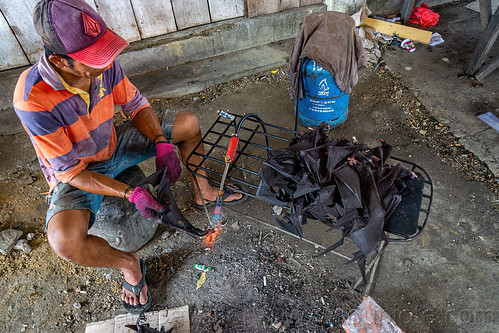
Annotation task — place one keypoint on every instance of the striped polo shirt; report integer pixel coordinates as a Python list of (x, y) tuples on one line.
[(70, 128)]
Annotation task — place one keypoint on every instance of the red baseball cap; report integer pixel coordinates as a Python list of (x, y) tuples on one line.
[(73, 28)]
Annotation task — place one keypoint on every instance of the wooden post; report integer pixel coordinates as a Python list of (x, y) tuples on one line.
[(407, 10), (487, 69), (486, 42), (485, 12)]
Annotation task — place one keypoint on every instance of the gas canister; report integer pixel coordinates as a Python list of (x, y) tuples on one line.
[(322, 99)]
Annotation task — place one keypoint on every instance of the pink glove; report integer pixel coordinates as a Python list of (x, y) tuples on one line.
[(167, 158), (145, 203)]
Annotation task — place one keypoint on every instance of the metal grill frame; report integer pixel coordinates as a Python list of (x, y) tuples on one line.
[(252, 131)]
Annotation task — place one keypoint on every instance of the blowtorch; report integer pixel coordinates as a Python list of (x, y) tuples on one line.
[(229, 158)]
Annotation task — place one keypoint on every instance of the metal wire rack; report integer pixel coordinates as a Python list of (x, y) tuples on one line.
[(257, 138)]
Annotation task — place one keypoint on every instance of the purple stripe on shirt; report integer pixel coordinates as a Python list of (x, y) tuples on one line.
[(66, 113), (99, 139), (38, 123), (64, 162), (113, 75), (135, 103), (32, 78), (70, 110), (47, 172)]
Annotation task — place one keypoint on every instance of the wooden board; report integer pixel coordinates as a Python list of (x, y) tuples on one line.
[(19, 15), (225, 9), (260, 7), (12, 54), (286, 4), (154, 17), (189, 13), (119, 17), (387, 28), (178, 318)]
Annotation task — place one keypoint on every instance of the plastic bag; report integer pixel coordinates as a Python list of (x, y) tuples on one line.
[(424, 16), (370, 317)]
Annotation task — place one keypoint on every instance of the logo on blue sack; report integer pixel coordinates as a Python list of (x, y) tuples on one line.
[(323, 88)]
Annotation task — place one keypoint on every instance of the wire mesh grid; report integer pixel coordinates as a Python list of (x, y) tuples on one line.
[(256, 140)]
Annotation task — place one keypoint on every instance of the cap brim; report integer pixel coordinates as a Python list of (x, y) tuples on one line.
[(101, 53)]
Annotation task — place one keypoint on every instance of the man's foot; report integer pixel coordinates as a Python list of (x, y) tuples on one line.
[(135, 295), (210, 195)]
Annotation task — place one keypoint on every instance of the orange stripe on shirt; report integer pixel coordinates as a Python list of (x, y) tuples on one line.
[(52, 145)]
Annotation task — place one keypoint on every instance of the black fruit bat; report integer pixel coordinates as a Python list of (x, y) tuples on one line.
[(142, 326), (171, 215), (341, 183)]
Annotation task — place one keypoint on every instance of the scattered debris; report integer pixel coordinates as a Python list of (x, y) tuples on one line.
[(277, 210), (22, 245), (235, 226), (370, 317), (490, 119), (276, 325), (8, 239), (408, 45), (203, 268), (424, 16), (436, 39), (370, 41), (201, 280)]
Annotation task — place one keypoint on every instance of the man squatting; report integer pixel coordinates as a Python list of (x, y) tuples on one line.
[(66, 104)]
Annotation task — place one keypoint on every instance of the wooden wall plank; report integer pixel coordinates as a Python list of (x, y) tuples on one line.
[(19, 16), (286, 4), (225, 9), (118, 15), (189, 13), (154, 17), (12, 54), (310, 2), (260, 7)]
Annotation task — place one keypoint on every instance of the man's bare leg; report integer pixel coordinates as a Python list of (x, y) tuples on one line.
[(187, 134), (67, 234)]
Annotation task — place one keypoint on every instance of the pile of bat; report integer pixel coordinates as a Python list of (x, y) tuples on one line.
[(341, 183)]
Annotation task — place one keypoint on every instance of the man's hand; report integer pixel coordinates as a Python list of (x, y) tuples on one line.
[(167, 158), (145, 203)]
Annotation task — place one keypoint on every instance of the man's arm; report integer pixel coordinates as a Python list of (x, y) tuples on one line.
[(94, 182), (147, 123)]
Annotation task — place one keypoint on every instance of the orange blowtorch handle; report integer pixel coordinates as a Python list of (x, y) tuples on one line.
[(231, 151)]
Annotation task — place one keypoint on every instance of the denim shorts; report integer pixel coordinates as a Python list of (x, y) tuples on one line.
[(132, 147)]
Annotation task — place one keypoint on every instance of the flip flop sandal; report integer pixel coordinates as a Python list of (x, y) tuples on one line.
[(227, 193), (137, 309)]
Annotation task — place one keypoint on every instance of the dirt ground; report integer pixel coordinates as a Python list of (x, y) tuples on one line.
[(42, 292)]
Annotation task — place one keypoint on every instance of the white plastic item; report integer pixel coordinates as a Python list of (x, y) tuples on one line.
[(370, 317)]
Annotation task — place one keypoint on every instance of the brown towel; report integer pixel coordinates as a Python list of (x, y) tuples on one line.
[(331, 39)]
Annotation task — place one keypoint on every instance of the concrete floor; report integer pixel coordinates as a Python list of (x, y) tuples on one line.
[(446, 281)]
